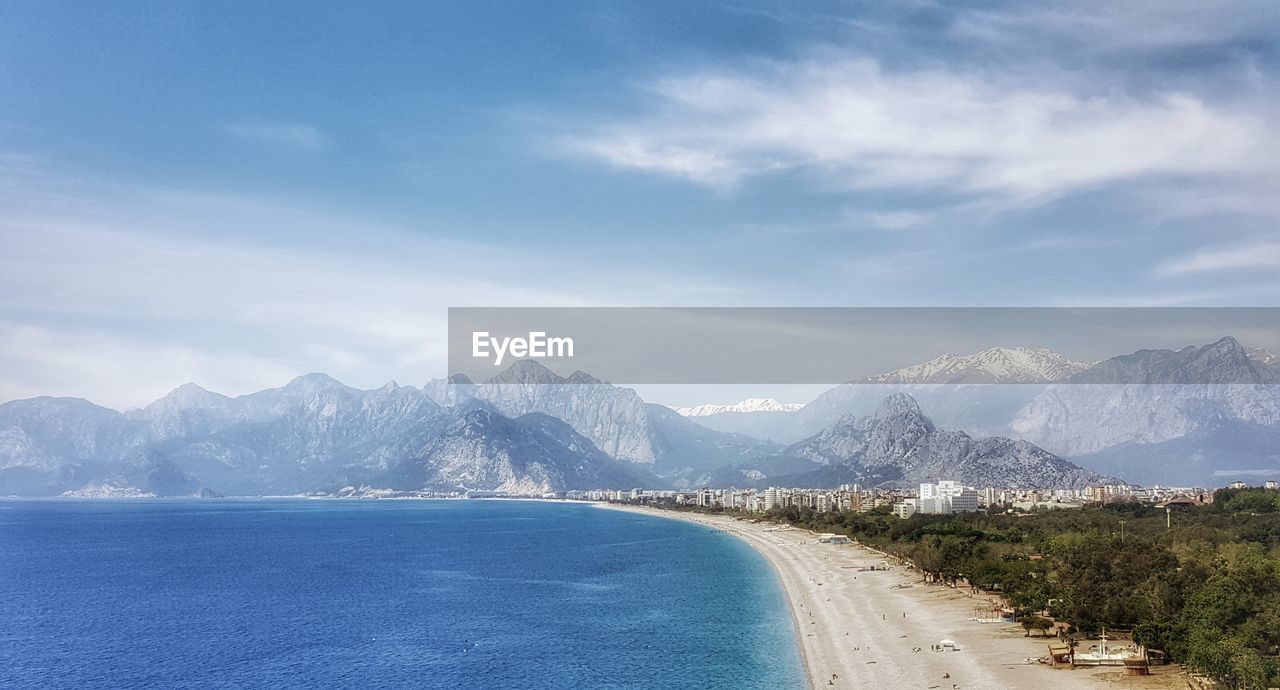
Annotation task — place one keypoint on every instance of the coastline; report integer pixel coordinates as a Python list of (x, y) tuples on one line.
[(857, 628)]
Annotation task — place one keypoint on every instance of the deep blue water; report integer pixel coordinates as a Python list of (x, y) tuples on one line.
[(200, 593)]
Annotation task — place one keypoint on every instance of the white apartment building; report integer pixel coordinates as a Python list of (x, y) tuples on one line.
[(906, 508), (946, 497)]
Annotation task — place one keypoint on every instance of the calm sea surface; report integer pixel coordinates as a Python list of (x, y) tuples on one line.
[(459, 594)]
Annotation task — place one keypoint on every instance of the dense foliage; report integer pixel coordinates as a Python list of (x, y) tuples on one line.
[(1206, 589)]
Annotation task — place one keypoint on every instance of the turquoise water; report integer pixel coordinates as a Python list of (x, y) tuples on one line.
[(511, 594)]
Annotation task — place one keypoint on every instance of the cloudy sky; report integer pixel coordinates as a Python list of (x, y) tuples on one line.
[(237, 193)]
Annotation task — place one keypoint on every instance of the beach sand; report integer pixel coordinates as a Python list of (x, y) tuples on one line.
[(859, 628)]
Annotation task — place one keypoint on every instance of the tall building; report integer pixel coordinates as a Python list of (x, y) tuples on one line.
[(946, 497)]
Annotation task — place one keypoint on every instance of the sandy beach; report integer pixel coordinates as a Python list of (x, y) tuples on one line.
[(861, 628)]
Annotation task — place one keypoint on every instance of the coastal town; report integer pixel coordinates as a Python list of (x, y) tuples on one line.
[(941, 497)]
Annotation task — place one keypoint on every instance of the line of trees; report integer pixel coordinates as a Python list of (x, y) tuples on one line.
[(1206, 591)]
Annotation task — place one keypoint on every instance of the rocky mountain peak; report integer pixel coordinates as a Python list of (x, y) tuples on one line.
[(900, 444), (524, 372), (314, 382), (188, 396), (898, 405), (583, 378)]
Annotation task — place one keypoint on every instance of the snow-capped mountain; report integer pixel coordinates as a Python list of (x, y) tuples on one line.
[(746, 406), (993, 365)]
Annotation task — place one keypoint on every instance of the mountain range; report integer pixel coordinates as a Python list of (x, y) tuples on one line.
[(527, 430), (313, 434), (1198, 415), (898, 444)]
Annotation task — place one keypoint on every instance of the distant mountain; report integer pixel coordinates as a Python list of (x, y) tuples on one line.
[(977, 409), (312, 434), (749, 405), (1199, 415), (994, 365), (952, 387), (619, 422), (1223, 362), (482, 449), (900, 445), (1165, 415), (1215, 454), (613, 418), (1263, 358)]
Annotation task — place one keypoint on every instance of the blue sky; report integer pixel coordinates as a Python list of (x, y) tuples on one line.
[(235, 193)]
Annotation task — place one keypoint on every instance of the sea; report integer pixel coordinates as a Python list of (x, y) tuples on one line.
[(193, 593)]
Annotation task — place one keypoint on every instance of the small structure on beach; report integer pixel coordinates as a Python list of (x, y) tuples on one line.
[(1102, 655), (829, 538), (1137, 666), (1061, 656), (992, 614)]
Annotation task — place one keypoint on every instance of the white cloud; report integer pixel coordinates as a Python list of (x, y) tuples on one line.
[(1101, 26), (892, 221), (853, 124), (119, 294), (301, 137), (118, 371), (1260, 256)]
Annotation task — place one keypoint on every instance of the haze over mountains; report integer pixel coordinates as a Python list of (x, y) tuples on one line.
[(531, 430), (1198, 415), (312, 434), (899, 444)]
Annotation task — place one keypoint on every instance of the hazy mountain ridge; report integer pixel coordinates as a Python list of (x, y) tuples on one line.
[(1121, 415), (312, 434), (1157, 409), (482, 449), (899, 444), (955, 388), (620, 423), (1189, 416), (613, 418)]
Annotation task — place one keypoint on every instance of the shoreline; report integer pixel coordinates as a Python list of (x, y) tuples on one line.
[(856, 628)]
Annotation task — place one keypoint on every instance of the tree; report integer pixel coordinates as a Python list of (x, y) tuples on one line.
[(1038, 623)]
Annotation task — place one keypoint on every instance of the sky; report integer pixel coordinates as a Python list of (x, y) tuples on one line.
[(238, 193)]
